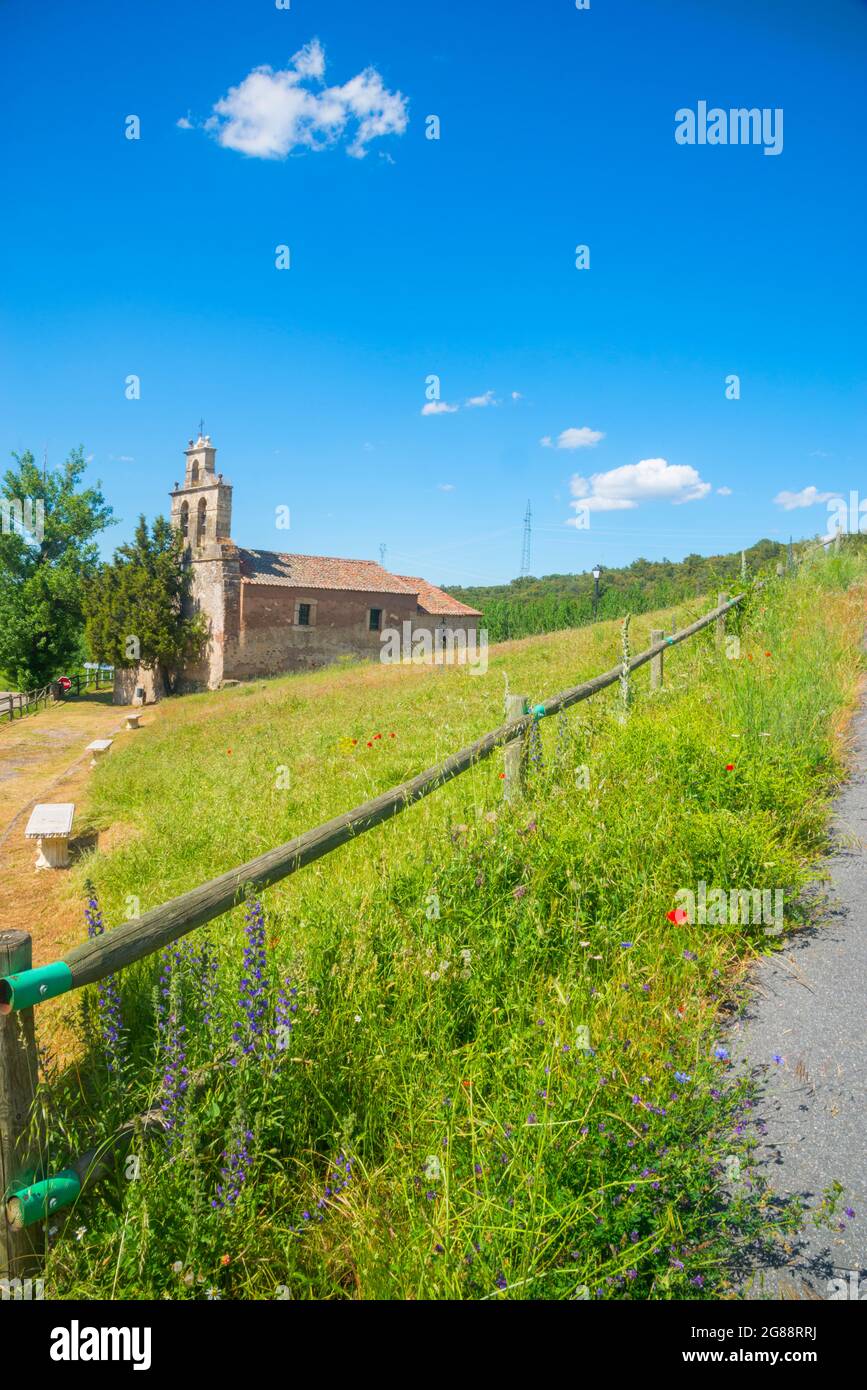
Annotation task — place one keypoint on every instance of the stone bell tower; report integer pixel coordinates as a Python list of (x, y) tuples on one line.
[(202, 507), (202, 512)]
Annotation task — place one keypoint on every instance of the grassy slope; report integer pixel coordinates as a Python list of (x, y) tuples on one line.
[(488, 1150)]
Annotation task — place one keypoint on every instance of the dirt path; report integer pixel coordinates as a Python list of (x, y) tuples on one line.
[(43, 758), (803, 1039)]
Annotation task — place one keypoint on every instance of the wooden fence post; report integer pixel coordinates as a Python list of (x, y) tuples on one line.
[(516, 756), (656, 672), (19, 1250), (720, 623)]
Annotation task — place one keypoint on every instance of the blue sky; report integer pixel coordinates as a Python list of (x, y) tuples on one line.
[(456, 257)]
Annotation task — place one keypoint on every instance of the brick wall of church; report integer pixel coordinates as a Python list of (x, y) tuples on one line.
[(269, 640)]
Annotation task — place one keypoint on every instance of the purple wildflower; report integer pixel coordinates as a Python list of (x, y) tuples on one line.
[(253, 998), (235, 1168), (107, 996), (171, 1050), (284, 1015)]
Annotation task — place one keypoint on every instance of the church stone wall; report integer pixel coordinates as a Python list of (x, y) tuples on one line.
[(216, 594), (271, 642)]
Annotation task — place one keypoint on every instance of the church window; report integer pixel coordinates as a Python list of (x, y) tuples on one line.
[(194, 471), (374, 619), (202, 522), (185, 519)]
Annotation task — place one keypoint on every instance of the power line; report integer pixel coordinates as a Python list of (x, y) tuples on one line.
[(525, 549)]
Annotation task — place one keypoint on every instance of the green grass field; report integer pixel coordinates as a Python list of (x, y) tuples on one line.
[(423, 1116)]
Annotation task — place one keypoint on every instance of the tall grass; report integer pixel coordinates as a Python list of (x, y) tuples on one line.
[(390, 1093)]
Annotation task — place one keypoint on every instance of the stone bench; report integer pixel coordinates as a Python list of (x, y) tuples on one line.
[(132, 721), (51, 826), (98, 748)]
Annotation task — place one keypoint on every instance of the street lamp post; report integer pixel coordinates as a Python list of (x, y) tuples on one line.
[(597, 570)]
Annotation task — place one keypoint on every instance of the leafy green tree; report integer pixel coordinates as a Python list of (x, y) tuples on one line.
[(137, 607), (44, 569)]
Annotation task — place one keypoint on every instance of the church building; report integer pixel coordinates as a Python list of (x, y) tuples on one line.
[(270, 612)]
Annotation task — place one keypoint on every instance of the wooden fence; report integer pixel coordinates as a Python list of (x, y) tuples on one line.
[(29, 1197), (15, 704)]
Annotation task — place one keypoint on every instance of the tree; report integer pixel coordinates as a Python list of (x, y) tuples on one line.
[(136, 607), (47, 553)]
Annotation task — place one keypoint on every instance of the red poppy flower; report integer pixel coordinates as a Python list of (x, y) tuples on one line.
[(354, 741), (502, 775), (767, 653), (377, 735), (730, 767), (229, 751), (369, 744), (392, 735), (749, 656), (678, 916)]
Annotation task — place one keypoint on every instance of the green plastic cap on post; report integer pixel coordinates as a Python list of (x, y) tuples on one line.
[(31, 987), (42, 1199), (538, 711)]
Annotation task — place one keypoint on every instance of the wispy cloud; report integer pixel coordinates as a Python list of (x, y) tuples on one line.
[(807, 497), (446, 487), (623, 489), (585, 438), (269, 114), (723, 492), (438, 408), (486, 399)]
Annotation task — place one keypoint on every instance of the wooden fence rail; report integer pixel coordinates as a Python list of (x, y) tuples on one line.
[(15, 704)]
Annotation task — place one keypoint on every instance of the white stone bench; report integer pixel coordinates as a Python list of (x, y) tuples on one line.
[(132, 721), (98, 748), (51, 826)]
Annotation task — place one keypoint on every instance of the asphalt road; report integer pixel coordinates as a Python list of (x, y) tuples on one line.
[(809, 1007)]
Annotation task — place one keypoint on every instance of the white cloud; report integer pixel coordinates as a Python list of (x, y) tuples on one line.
[(184, 123), (584, 438), (516, 395), (723, 492), (649, 480), (486, 399), (807, 497), (446, 487), (439, 408), (270, 114)]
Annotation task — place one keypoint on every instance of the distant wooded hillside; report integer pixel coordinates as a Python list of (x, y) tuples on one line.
[(533, 605)]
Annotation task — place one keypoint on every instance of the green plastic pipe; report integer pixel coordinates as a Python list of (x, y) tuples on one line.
[(42, 1199), (30, 987)]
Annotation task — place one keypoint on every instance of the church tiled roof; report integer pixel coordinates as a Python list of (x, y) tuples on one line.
[(320, 572), (437, 601)]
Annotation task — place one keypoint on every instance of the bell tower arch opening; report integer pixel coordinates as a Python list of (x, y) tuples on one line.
[(202, 504)]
